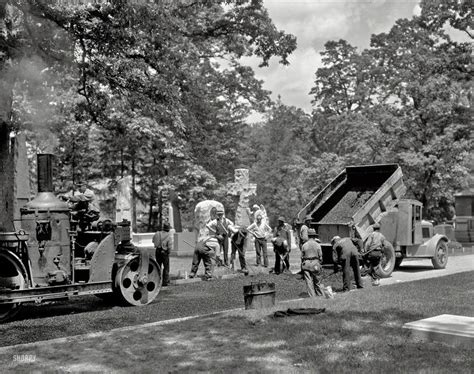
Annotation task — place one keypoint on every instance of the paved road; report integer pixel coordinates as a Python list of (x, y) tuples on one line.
[(88, 314), (414, 269)]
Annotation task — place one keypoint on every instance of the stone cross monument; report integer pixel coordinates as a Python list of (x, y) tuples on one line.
[(242, 188)]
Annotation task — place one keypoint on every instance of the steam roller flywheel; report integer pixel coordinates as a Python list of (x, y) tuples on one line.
[(133, 290), (12, 277)]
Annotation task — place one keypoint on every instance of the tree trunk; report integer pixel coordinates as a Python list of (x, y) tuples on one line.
[(150, 210), (6, 153), (133, 198)]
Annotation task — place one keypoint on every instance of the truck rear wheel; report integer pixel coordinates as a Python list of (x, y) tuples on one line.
[(440, 258), (387, 262)]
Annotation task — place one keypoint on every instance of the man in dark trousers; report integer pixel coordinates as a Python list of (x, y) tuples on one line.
[(345, 255), (222, 228), (303, 234), (260, 230), (281, 246), (238, 246), (163, 242), (373, 251), (311, 259)]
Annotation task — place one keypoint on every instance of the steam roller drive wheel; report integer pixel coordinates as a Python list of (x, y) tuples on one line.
[(133, 291), (12, 277)]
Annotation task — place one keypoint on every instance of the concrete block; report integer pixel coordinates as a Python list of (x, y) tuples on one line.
[(184, 244), (185, 281), (231, 276), (447, 328)]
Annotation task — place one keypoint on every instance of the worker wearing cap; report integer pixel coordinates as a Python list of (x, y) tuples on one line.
[(260, 230), (163, 242), (373, 251), (303, 235), (311, 259), (346, 256), (222, 228), (85, 208), (255, 211), (281, 243), (85, 199), (205, 250)]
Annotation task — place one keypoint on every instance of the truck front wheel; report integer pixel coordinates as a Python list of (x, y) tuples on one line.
[(387, 262), (440, 258)]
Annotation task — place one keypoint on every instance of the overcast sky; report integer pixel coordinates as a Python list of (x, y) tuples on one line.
[(314, 22)]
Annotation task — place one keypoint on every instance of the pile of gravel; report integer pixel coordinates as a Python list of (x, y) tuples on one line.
[(346, 207)]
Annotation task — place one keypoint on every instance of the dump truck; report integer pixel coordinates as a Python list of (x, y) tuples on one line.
[(365, 194)]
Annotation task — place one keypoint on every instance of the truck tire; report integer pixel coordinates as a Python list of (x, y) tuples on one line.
[(387, 262), (440, 258)]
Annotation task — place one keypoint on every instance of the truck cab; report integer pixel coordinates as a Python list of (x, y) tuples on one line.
[(413, 237)]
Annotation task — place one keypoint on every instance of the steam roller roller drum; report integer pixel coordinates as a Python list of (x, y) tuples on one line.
[(130, 290), (12, 277)]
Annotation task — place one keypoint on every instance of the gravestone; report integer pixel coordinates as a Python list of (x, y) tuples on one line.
[(202, 214), (123, 208), (244, 189), (447, 328), (174, 213)]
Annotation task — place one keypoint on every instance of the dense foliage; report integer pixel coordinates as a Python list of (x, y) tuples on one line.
[(157, 91), (407, 99)]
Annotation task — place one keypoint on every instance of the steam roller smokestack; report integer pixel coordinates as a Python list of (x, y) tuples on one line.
[(45, 172)]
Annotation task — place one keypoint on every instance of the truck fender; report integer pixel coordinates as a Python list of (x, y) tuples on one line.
[(432, 243), (438, 246)]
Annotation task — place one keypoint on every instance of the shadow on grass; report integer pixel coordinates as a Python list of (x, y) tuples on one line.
[(359, 332), (335, 341)]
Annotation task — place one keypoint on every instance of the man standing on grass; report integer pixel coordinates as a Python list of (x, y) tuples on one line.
[(222, 229), (163, 242), (311, 259), (373, 251), (260, 230), (205, 250), (345, 255)]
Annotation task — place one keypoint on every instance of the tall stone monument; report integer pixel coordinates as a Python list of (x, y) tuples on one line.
[(244, 189), (14, 177), (22, 177), (124, 200), (174, 213)]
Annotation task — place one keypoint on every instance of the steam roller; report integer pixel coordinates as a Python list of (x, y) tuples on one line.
[(54, 256)]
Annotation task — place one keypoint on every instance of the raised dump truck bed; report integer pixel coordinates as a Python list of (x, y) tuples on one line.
[(363, 195), (355, 198)]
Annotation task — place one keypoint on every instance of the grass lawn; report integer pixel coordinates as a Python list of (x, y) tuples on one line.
[(360, 332)]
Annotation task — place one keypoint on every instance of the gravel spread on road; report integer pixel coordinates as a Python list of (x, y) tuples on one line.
[(90, 314)]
